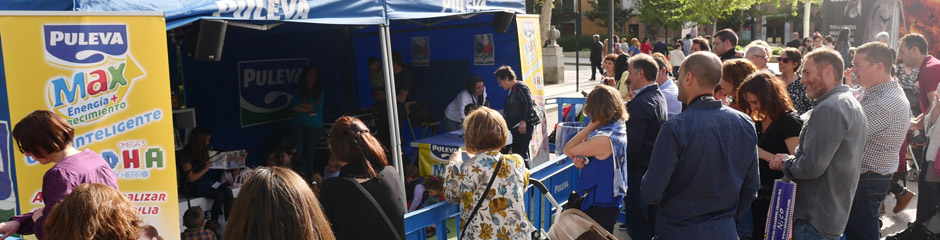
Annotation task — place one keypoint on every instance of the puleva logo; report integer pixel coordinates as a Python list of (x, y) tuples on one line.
[(103, 70), (442, 152)]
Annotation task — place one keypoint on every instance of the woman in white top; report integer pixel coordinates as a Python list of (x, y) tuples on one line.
[(676, 57), (474, 96)]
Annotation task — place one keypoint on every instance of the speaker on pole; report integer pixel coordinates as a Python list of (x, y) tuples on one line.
[(210, 40), (502, 21)]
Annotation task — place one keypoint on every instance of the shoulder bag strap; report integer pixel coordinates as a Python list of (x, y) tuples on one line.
[(489, 185), (377, 207)]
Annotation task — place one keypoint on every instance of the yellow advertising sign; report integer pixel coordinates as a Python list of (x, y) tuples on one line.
[(530, 53), (108, 76)]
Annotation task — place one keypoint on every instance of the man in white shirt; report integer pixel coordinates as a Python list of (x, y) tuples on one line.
[(669, 89)]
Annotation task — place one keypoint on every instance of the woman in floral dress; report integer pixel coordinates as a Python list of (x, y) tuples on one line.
[(502, 215)]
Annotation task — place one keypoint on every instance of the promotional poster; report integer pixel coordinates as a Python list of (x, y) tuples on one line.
[(107, 75)]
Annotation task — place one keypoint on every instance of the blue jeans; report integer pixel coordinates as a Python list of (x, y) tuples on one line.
[(863, 217), (451, 125), (640, 216), (804, 230), (306, 140)]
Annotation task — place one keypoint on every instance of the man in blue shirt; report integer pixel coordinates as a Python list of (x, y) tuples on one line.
[(647, 113), (703, 172)]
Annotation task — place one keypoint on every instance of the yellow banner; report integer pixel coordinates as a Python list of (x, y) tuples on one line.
[(530, 53), (108, 76), (432, 159)]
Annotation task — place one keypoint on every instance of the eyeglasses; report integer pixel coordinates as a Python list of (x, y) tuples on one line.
[(784, 60)]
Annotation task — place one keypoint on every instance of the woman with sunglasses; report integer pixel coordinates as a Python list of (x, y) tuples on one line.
[(789, 63), (807, 46)]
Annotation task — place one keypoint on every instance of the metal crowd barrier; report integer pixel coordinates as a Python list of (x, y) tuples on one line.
[(559, 175)]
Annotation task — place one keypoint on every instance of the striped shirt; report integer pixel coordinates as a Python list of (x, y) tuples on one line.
[(888, 113)]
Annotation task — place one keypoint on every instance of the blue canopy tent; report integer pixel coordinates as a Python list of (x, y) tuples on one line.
[(335, 35)]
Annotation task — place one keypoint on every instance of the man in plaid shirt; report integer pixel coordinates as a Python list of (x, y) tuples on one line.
[(193, 219), (887, 110)]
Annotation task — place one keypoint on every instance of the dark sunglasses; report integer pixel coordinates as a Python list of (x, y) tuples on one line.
[(785, 60)]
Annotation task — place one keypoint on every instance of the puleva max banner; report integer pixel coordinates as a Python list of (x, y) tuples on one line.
[(108, 76)]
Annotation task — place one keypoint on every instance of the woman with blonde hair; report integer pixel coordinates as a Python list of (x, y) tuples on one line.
[(501, 213), (600, 151), (276, 203), (634, 47), (93, 211)]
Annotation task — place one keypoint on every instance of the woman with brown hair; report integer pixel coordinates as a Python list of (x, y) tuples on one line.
[(610, 70), (47, 138), (502, 211), (308, 118), (600, 151), (519, 104), (93, 211), (348, 199), (196, 179), (276, 203), (733, 73), (764, 98)]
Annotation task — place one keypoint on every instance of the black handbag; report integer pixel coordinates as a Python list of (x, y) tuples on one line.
[(575, 200), (536, 113)]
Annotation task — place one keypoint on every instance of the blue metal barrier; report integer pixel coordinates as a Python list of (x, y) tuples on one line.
[(559, 175)]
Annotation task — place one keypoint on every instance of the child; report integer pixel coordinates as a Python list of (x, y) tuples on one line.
[(427, 193), (431, 194), (413, 187), (315, 182), (434, 187), (194, 219), (332, 169)]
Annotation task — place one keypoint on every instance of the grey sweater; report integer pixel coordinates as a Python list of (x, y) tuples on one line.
[(828, 161)]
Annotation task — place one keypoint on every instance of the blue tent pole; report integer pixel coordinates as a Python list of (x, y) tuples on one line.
[(391, 100)]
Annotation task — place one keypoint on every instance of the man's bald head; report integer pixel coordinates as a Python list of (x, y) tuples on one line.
[(705, 66)]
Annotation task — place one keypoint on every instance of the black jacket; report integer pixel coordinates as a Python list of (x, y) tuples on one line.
[(518, 105), (597, 52), (648, 112), (795, 43), (661, 47), (730, 54)]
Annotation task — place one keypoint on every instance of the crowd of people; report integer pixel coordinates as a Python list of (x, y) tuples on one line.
[(832, 118), (688, 143)]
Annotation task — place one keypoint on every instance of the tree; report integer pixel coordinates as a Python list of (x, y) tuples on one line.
[(707, 12), (600, 14), (660, 13), (558, 15)]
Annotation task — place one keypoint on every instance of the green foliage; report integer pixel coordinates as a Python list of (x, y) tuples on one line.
[(600, 16), (660, 13), (706, 12), (776, 51)]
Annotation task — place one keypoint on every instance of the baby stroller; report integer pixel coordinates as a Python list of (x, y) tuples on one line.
[(922, 229), (569, 224)]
